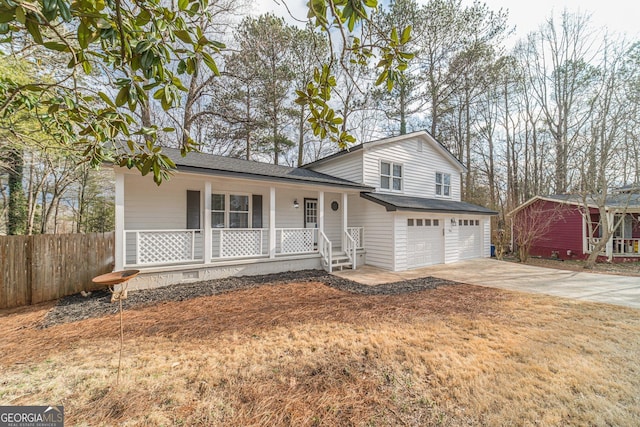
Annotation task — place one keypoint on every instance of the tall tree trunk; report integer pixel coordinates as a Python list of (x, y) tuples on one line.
[(301, 136), (82, 205), (247, 129), (17, 215), (467, 143), (403, 113)]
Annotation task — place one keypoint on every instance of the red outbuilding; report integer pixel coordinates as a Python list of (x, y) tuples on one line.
[(569, 226)]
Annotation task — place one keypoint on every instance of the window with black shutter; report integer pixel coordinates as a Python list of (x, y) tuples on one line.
[(256, 215), (193, 210)]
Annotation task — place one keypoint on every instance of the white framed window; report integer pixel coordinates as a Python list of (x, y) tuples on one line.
[(230, 210), (443, 184), (390, 176), (238, 211), (218, 210)]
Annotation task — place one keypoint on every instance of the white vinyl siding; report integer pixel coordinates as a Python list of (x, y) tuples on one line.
[(149, 207), (333, 219), (486, 225), (348, 166), (451, 240), (418, 168), (378, 230)]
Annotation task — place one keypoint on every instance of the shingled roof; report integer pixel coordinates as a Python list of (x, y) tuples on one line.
[(394, 202), (227, 166)]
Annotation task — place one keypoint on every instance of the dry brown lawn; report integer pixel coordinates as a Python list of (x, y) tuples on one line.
[(307, 354)]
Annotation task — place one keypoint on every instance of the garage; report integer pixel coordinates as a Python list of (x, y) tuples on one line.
[(425, 242), (469, 239)]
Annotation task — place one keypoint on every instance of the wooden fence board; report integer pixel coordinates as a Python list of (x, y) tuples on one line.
[(45, 267)]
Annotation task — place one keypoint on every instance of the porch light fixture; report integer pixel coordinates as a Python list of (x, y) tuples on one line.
[(296, 204)]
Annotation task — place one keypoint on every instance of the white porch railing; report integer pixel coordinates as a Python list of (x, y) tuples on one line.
[(350, 249), (296, 240), (239, 242), (629, 246), (144, 247), (357, 234), (325, 250), (621, 246), (158, 247)]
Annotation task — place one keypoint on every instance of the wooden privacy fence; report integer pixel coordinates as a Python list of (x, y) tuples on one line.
[(45, 267)]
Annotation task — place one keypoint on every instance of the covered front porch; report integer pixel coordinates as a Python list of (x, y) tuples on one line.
[(205, 221), (625, 240)]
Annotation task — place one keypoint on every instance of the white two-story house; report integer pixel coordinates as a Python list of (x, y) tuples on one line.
[(414, 216), (392, 203)]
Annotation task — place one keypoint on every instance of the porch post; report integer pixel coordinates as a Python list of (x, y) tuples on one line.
[(120, 238), (272, 222), (207, 223), (321, 211), (344, 220), (609, 247)]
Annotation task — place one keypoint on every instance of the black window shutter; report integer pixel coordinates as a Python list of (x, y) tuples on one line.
[(193, 210), (256, 215)]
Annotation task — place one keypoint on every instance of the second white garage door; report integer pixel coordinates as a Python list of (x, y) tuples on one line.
[(469, 239), (425, 242)]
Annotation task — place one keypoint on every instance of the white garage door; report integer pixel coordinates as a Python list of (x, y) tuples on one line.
[(425, 242), (469, 238)]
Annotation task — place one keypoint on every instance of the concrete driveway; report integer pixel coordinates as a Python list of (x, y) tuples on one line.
[(619, 290)]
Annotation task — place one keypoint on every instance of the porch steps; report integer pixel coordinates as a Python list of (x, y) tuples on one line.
[(340, 260)]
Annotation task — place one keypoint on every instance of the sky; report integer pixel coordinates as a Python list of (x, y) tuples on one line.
[(621, 16)]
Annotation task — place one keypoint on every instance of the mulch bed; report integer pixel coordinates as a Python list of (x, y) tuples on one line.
[(77, 307)]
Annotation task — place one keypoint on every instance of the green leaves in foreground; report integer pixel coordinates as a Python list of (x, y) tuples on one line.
[(135, 42), (330, 15)]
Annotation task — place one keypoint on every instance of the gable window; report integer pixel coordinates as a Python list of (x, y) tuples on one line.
[(230, 211), (443, 184), (390, 176)]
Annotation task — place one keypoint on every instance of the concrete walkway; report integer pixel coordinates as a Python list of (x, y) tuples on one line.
[(619, 290)]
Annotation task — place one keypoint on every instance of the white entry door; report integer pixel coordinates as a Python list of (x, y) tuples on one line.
[(425, 242), (311, 216), (469, 238)]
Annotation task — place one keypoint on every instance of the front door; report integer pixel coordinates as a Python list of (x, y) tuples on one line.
[(311, 216)]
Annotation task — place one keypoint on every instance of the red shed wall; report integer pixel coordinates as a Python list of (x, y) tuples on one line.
[(564, 234)]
